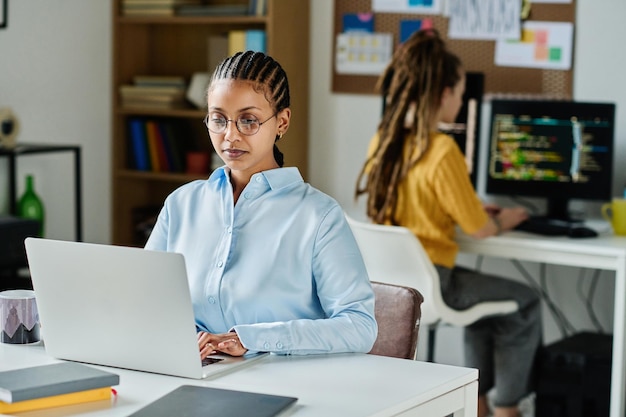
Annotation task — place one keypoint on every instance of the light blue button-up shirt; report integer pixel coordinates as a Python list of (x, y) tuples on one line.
[(281, 267)]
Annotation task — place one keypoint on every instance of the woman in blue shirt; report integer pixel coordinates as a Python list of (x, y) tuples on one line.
[(272, 263)]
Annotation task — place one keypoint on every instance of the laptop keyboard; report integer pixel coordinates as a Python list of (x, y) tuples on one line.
[(209, 361)]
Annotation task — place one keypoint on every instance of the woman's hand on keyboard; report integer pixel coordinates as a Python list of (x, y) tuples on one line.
[(511, 217), (228, 343)]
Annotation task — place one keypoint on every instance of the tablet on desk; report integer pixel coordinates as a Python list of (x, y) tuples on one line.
[(188, 400)]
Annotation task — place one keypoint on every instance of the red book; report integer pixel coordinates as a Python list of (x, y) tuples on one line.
[(156, 140)]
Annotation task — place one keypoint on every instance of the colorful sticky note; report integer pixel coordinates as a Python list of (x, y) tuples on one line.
[(358, 22)]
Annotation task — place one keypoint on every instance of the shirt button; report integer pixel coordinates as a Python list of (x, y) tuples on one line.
[(258, 179), (211, 300), (266, 346), (229, 230), (219, 264), (247, 195), (279, 345)]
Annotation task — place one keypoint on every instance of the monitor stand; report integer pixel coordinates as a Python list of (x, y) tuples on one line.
[(558, 213)]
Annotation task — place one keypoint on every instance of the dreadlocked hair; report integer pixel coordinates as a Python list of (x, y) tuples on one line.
[(267, 76), (412, 86)]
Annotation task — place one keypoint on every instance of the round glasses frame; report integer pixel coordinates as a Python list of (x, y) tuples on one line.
[(247, 132)]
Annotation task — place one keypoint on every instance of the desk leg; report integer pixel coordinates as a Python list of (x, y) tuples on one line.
[(471, 401), (78, 195), (619, 333)]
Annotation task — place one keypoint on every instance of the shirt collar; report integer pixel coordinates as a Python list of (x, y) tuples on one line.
[(276, 178)]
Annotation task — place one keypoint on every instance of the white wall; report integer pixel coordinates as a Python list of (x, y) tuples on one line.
[(55, 72)]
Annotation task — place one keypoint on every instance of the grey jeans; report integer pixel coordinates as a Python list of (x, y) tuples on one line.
[(502, 348)]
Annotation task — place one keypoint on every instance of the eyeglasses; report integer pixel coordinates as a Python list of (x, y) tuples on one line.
[(246, 124)]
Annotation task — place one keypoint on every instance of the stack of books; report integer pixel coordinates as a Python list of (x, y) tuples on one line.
[(154, 7), (257, 7), (54, 385), (213, 10), (246, 40), (154, 91)]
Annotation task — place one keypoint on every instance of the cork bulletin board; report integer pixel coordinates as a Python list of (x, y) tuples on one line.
[(476, 55)]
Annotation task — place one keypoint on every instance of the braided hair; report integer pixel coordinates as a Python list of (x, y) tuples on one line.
[(412, 86), (268, 77)]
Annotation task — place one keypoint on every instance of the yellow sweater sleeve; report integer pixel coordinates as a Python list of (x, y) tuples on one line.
[(436, 196)]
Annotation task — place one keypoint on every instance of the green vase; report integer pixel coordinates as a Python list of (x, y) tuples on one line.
[(30, 205)]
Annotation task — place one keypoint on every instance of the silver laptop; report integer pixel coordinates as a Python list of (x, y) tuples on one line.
[(119, 306)]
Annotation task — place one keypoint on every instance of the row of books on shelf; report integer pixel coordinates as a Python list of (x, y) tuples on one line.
[(155, 7), (246, 40), (156, 145), (154, 91), (257, 7), (192, 8), (54, 385), (221, 45)]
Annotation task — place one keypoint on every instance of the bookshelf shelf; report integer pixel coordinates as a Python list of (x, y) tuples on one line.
[(193, 20), (179, 46), (182, 113), (158, 176)]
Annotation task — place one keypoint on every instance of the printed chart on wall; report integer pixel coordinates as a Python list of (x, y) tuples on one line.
[(484, 20)]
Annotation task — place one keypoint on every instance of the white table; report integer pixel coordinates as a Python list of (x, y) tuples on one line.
[(341, 385), (606, 252)]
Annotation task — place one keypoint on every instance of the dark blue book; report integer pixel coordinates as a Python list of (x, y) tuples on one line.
[(166, 146), (173, 149), (139, 144)]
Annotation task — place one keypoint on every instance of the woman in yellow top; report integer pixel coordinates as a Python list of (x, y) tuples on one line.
[(417, 178)]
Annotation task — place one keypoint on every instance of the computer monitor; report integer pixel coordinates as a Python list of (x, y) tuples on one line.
[(556, 150)]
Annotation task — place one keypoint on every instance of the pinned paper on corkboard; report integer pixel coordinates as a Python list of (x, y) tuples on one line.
[(476, 55)]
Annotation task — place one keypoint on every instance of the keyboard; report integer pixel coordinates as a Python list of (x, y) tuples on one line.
[(548, 227)]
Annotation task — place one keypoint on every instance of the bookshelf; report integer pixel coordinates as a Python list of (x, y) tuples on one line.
[(178, 46)]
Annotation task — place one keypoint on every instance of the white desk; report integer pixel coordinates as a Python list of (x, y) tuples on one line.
[(604, 252), (326, 385)]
